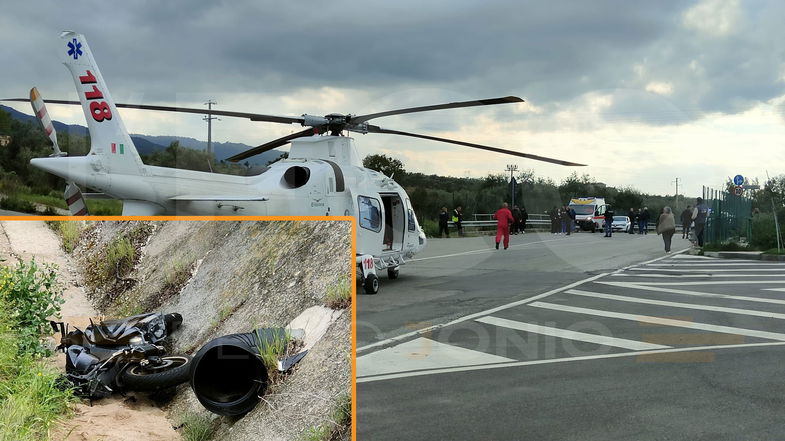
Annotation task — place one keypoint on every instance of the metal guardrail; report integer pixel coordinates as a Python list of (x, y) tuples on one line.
[(534, 221)]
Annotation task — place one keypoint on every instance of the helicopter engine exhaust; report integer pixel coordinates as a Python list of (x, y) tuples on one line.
[(296, 177)]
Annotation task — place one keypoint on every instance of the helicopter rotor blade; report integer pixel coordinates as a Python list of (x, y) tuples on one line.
[(377, 129), (270, 145), (486, 102), (251, 116)]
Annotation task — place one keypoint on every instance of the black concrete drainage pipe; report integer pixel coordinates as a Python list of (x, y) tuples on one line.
[(227, 375)]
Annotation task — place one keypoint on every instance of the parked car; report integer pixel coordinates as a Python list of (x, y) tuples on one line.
[(621, 223)]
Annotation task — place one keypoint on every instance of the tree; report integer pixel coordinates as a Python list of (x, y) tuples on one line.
[(384, 164)]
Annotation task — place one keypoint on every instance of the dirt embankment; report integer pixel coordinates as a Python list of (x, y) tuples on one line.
[(226, 277)]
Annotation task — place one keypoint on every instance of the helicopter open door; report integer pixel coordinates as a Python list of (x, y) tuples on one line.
[(394, 222)]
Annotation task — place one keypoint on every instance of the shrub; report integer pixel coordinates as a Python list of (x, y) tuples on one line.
[(32, 296), (764, 233), (32, 395), (431, 228), (15, 204)]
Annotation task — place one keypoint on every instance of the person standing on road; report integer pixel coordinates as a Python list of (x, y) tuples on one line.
[(699, 215), (444, 219), (457, 219), (608, 221), (645, 216), (503, 218), (686, 220), (631, 215), (516, 214), (564, 216), (666, 225), (554, 216), (524, 218), (570, 220)]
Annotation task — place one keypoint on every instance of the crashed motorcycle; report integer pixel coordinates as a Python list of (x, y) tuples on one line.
[(122, 355)]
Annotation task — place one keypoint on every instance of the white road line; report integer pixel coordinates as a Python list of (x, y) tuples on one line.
[(723, 282), (643, 286), (723, 263), (689, 257), (478, 314), (422, 353), (738, 270), (705, 274), (753, 312), (773, 289), (561, 360), (571, 335), (649, 262), (662, 321), (485, 250)]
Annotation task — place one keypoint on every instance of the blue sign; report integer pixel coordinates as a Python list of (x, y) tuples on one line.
[(75, 49), (738, 179)]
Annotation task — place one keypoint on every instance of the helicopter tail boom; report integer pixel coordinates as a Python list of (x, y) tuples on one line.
[(109, 137)]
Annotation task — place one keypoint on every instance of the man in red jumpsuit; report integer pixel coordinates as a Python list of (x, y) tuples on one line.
[(503, 220)]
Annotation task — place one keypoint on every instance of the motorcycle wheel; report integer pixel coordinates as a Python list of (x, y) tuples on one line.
[(174, 370)]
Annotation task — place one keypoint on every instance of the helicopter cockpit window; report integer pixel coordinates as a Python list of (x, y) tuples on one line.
[(410, 217), (370, 213)]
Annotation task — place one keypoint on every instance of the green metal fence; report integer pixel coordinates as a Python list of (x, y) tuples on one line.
[(730, 216)]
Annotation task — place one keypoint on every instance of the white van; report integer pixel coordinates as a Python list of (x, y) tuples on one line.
[(589, 212)]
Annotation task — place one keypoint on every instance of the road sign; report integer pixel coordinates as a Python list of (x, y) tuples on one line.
[(738, 179), (739, 190)]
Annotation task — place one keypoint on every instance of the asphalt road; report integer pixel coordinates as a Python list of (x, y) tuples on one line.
[(577, 338)]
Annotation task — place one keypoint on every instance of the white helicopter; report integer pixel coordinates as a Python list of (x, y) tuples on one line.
[(323, 175)]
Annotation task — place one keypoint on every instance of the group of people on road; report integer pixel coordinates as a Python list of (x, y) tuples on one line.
[(666, 223), (445, 219), (562, 219), (640, 218)]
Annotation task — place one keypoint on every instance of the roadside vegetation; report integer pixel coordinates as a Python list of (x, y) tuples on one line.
[(339, 294), (338, 427), (69, 232), (32, 395), (107, 270), (196, 427), (271, 351)]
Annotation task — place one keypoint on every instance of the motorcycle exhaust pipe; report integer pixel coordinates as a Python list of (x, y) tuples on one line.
[(227, 374)]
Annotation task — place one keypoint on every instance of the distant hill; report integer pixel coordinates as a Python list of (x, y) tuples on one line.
[(147, 144)]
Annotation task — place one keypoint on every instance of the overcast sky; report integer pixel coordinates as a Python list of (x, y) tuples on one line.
[(644, 92)]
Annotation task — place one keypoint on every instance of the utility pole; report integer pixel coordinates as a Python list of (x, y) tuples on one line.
[(512, 168), (676, 199), (209, 118)]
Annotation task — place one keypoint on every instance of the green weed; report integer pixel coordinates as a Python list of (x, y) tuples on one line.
[(177, 273), (271, 351), (69, 232), (196, 427), (338, 427), (339, 294)]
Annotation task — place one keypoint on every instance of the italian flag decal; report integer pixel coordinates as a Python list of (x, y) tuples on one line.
[(114, 148)]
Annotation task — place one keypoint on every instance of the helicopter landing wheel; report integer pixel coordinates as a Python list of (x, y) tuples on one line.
[(392, 273), (371, 284)]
